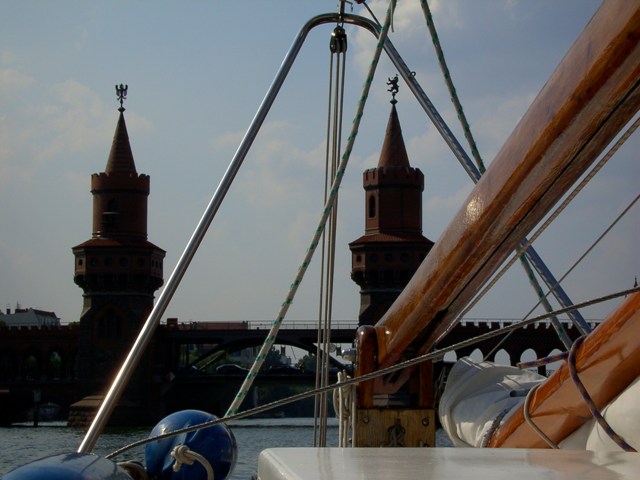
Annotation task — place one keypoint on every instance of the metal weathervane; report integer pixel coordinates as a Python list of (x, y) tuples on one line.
[(121, 93), (393, 88)]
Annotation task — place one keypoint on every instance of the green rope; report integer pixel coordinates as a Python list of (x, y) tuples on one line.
[(269, 341), (452, 89), (476, 155)]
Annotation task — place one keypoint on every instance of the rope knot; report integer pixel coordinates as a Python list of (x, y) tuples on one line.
[(184, 456), (181, 454)]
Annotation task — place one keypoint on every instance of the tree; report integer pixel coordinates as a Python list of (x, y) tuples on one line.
[(273, 358), (307, 363)]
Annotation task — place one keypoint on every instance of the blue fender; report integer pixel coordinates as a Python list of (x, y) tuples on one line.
[(217, 444), (69, 466)]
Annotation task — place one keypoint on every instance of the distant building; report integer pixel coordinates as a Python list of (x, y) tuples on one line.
[(29, 317), (118, 269), (392, 248)]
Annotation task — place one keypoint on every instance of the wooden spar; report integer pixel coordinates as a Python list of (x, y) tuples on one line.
[(592, 94), (607, 362)]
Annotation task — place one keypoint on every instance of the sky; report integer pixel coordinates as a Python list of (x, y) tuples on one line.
[(197, 72)]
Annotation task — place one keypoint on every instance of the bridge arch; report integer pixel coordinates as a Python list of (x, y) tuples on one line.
[(212, 355), (31, 364), (451, 357), (8, 364), (59, 362), (502, 357)]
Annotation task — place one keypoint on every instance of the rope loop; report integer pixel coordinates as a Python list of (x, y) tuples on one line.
[(530, 421), (593, 409), (184, 456), (595, 412)]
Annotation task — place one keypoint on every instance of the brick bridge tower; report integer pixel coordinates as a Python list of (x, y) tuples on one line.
[(118, 268), (385, 258)]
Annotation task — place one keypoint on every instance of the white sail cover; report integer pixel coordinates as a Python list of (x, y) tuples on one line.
[(622, 415), (478, 395)]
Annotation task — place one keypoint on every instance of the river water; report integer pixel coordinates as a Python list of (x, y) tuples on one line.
[(22, 444)]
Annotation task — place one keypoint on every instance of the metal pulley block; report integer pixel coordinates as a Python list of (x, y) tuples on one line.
[(338, 42)]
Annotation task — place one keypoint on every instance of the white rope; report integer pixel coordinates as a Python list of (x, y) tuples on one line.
[(184, 456), (343, 402)]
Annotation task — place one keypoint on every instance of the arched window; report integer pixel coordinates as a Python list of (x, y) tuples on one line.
[(372, 206), (450, 357), (54, 366), (31, 367), (477, 355), (553, 366), (502, 357)]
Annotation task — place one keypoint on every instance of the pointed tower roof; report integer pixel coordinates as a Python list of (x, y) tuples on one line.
[(393, 153), (120, 162)]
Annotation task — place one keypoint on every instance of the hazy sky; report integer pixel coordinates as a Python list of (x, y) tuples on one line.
[(197, 72)]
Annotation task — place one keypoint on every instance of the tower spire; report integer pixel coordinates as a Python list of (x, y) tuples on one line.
[(120, 161), (393, 152)]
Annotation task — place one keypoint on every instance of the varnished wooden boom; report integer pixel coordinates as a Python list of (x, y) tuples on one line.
[(589, 98)]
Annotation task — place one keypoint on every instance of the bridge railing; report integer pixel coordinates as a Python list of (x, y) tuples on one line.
[(500, 322), (259, 325), (305, 325), (343, 324)]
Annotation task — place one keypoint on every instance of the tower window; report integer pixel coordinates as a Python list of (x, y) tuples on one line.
[(110, 216), (372, 206)]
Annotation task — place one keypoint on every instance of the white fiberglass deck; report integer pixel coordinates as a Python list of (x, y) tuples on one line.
[(444, 463)]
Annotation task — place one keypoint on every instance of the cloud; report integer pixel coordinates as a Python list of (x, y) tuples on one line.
[(226, 141), (7, 57), (443, 207), (12, 80), (56, 127), (496, 118), (409, 19), (277, 171), (301, 230), (81, 41)]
